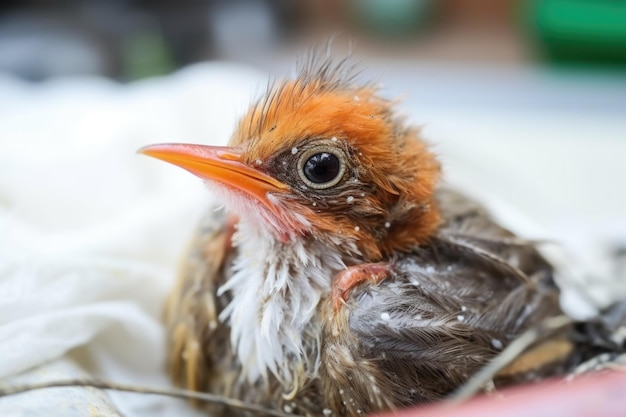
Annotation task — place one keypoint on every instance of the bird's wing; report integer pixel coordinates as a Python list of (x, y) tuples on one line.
[(442, 314), (469, 224), (191, 314)]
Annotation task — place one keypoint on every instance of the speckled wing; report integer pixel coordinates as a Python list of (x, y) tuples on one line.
[(195, 333), (446, 310)]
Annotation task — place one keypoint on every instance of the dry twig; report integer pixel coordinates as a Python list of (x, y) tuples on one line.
[(171, 392)]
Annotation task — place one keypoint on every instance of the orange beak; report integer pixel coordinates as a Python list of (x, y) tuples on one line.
[(221, 164)]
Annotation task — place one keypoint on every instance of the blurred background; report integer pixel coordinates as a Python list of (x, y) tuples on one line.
[(130, 39)]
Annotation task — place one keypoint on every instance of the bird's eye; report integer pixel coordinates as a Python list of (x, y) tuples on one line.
[(321, 167)]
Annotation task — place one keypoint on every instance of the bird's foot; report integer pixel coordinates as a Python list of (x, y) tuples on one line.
[(350, 277)]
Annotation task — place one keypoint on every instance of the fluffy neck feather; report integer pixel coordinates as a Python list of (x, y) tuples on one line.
[(276, 288)]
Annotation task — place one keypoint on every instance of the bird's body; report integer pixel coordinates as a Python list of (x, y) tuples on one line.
[(341, 279), (447, 310)]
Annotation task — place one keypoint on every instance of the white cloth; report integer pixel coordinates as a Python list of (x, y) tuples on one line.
[(90, 232)]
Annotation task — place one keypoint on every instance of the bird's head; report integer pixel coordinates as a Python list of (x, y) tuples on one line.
[(319, 157)]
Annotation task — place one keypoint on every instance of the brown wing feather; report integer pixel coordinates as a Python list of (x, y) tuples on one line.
[(195, 334), (447, 310)]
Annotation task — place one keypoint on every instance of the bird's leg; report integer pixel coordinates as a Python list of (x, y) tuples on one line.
[(352, 276)]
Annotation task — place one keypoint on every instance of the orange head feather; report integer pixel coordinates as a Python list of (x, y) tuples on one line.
[(385, 198), (350, 167)]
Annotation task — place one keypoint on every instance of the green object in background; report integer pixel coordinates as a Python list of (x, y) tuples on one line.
[(581, 31), (145, 54), (392, 18)]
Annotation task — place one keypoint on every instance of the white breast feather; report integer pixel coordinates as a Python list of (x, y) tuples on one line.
[(276, 288)]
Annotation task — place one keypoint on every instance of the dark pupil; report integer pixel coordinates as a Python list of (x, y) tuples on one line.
[(322, 167)]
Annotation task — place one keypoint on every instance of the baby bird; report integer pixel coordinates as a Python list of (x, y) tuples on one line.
[(341, 279)]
